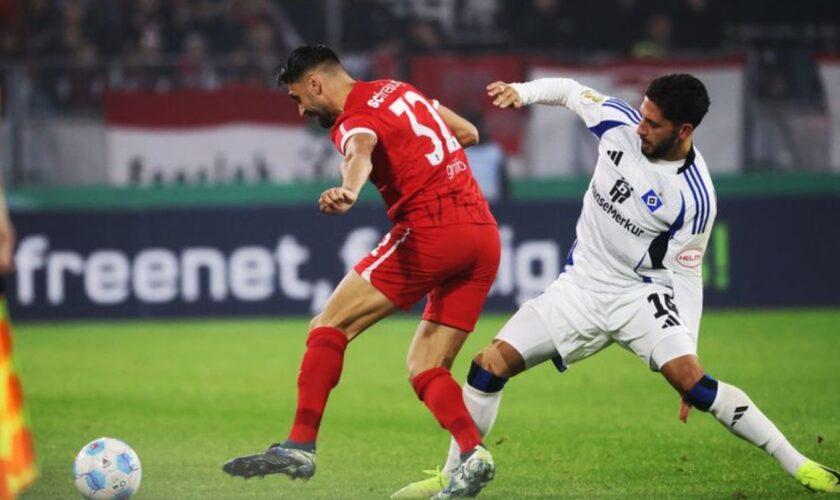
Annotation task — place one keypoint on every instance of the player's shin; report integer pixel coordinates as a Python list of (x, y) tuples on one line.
[(737, 412), (320, 371), (482, 397), (442, 395)]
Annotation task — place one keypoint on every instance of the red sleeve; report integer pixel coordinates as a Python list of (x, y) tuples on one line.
[(357, 123)]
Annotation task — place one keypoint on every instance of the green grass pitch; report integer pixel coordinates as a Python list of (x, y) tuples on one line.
[(188, 395)]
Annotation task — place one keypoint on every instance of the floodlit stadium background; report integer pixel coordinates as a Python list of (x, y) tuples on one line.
[(163, 190), (155, 131)]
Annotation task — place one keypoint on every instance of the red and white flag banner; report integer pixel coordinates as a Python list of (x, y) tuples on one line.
[(219, 136)]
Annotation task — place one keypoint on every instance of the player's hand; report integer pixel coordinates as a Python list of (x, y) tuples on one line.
[(505, 95), (685, 408), (336, 200), (7, 244)]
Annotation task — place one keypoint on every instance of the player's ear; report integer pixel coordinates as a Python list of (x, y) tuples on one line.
[(313, 83), (685, 131)]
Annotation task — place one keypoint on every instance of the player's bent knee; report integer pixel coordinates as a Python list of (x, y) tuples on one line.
[(703, 394), (500, 359), (673, 348)]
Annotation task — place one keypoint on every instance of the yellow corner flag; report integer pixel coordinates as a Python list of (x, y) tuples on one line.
[(17, 453)]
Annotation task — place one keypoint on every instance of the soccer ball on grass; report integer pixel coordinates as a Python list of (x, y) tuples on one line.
[(107, 468)]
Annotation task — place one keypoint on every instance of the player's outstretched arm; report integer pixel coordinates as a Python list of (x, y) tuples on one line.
[(585, 102), (465, 131), (551, 91), (355, 170), (504, 95)]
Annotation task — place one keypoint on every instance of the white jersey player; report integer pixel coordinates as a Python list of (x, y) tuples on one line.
[(645, 220), (633, 275)]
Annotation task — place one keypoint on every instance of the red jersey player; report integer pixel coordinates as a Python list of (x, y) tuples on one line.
[(444, 245)]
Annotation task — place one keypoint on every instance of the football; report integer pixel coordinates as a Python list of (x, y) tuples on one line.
[(107, 468)]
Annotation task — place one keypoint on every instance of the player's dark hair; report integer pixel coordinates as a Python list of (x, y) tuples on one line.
[(304, 58), (681, 97)]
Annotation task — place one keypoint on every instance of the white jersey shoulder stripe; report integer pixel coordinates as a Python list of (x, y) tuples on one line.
[(604, 126), (353, 131), (697, 199), (624, 108), (706, 197), (701, 197)]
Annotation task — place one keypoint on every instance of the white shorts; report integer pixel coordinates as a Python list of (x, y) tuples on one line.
[(574, 323)]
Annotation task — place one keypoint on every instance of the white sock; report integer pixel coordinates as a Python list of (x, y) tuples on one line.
[(453, 459), (483, 408), (736, 411), (788, 457)]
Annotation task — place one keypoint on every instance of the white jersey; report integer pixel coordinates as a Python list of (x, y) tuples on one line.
[(643, 221)]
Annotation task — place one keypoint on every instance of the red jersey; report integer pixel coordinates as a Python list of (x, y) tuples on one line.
[(419, 167)]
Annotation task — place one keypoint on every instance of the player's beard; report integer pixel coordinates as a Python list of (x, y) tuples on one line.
[(660, 150), (325, 119)]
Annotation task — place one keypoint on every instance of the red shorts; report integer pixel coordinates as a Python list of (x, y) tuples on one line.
[(454, 264)]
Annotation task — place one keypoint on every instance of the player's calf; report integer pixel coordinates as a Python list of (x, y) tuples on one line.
[(740, 415), (482, 397), (442, 395), (737, 412), (482, 394)]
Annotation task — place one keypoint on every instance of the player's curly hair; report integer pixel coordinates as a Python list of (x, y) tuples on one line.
[(681, 97), (304, 58)]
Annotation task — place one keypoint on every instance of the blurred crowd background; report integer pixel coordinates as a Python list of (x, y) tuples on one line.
[(58, 57), (165, 44)]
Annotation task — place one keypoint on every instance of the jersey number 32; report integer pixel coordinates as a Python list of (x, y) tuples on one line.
[(404, 106)]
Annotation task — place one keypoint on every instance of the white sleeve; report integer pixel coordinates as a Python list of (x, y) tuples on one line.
[(553, 91), (594, 108)]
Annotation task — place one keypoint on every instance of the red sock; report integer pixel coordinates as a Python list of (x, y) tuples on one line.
[(444, 398), (320, 371)]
